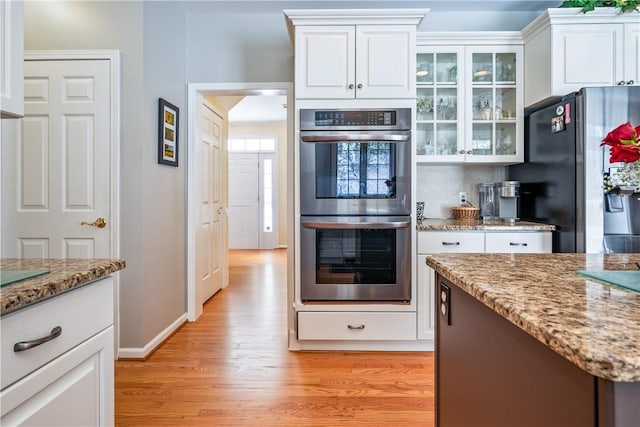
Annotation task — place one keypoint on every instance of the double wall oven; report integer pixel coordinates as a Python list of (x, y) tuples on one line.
[(355, 205)]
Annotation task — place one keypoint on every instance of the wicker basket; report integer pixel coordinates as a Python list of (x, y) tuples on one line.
[(465, 213)]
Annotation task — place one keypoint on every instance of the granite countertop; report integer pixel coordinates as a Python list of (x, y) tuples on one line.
[(594, 325), (479, 225), (65, 275)]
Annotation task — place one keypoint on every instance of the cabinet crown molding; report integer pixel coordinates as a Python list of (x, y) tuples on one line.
[(573, 15), (467, 38), (296, 17)]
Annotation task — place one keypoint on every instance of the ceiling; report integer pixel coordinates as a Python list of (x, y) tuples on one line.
[(259, 108), (267, 6)]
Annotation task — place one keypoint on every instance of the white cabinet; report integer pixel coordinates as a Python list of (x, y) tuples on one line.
[(432, 242), (68, 380), (344, 62), (11, 58), (354, 53), (356, 326), (469, 100), (631, 57), (525, 242), (566, 50)]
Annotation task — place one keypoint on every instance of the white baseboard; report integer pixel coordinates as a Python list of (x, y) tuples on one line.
[(282, 247), (143, 352)]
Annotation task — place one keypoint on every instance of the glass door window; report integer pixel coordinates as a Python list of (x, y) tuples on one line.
[(494, 104), (437, 103)]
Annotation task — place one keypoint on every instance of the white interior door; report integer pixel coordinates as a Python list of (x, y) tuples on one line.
[(56, 171), (209, 177), (244, 211)]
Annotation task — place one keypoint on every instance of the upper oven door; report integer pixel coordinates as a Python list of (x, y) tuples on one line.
[(355, 172)]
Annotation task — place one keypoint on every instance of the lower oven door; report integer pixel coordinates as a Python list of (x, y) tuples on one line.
[(355, 259)]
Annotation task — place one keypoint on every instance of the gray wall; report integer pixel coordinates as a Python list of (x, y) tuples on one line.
[(230, 47), (151, 39)]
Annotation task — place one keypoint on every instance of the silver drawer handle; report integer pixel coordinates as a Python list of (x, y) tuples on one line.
[(517, 244), (26, 345), (451, 243), (355, 327)]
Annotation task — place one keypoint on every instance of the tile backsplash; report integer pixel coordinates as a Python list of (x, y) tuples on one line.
[(438, 185)]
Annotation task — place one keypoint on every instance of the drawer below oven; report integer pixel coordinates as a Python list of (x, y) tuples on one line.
[(348, 325)]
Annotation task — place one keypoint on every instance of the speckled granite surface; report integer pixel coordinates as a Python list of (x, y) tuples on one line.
[(454, 225), (66, 274), (592, 324)]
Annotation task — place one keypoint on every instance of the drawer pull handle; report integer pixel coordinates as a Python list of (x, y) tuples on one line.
[(517, 244), (451, 243), (355, 327), (26, 345)]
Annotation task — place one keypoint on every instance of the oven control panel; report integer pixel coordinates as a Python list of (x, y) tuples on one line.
[(355, 118)]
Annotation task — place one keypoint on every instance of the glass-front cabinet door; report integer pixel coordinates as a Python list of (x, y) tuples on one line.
[(469, 104), (438, 106), (494, 94)]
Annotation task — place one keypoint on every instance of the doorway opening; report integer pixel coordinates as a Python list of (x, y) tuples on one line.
[(250, 120)]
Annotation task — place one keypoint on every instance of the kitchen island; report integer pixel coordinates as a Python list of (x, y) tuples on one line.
[(57, 341), (523, 339)]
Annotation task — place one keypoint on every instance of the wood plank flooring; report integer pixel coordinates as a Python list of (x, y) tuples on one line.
[(232, 368)]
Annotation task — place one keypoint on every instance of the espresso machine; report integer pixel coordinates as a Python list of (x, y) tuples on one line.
[(507, 194)]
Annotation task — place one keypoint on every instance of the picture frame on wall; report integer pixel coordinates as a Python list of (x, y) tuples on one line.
[(168, 120)]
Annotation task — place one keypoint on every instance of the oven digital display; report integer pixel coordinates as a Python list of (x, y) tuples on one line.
[(355, 118)]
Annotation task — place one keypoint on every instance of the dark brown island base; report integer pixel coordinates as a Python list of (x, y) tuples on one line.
[(524, 340)]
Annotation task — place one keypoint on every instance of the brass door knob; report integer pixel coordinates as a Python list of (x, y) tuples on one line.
[(99, 222)]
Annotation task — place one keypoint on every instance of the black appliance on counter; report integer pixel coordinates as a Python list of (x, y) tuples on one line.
[(561, 181)]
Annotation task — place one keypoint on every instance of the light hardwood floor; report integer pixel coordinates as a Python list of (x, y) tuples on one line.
[(232, 368)]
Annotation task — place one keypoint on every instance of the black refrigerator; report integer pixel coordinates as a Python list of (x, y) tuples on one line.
[(561, 180)]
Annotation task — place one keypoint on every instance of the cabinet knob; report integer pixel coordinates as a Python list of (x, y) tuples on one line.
[(630, 82), (469, 152), (621, 83), (359, 85), (351, 86), (461, 151)]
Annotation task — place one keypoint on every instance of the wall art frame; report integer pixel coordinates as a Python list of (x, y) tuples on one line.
[(168, 125)]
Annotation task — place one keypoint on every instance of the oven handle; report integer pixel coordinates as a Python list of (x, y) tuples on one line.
[(354, 137), (370, 225)]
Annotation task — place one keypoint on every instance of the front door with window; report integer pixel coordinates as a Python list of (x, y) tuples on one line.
[(252, 193)]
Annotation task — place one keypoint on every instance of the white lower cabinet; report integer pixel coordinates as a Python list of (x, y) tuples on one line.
[(350, 325), (69, 380), (433, 242), (517, 242)]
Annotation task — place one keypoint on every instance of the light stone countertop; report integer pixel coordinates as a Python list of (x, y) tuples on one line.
[(479, 225), (594, 325), (65, 275)]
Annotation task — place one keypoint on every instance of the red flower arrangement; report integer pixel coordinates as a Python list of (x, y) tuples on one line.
[(624, 142)]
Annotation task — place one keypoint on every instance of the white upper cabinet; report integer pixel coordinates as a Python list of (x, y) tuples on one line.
[(469, 98), (566, 50), (632, 53), (11, 58), (373, 57)]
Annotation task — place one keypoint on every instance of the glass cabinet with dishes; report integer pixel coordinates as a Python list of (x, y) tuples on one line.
[(469, 104), (438, 107), (494, 105)]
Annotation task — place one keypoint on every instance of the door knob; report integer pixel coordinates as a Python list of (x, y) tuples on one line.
[(99, 222), (351, 86), (220, 210), (359, 86)]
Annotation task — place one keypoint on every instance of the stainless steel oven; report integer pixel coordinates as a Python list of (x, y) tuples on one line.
[(347, 258), (355, 162)]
